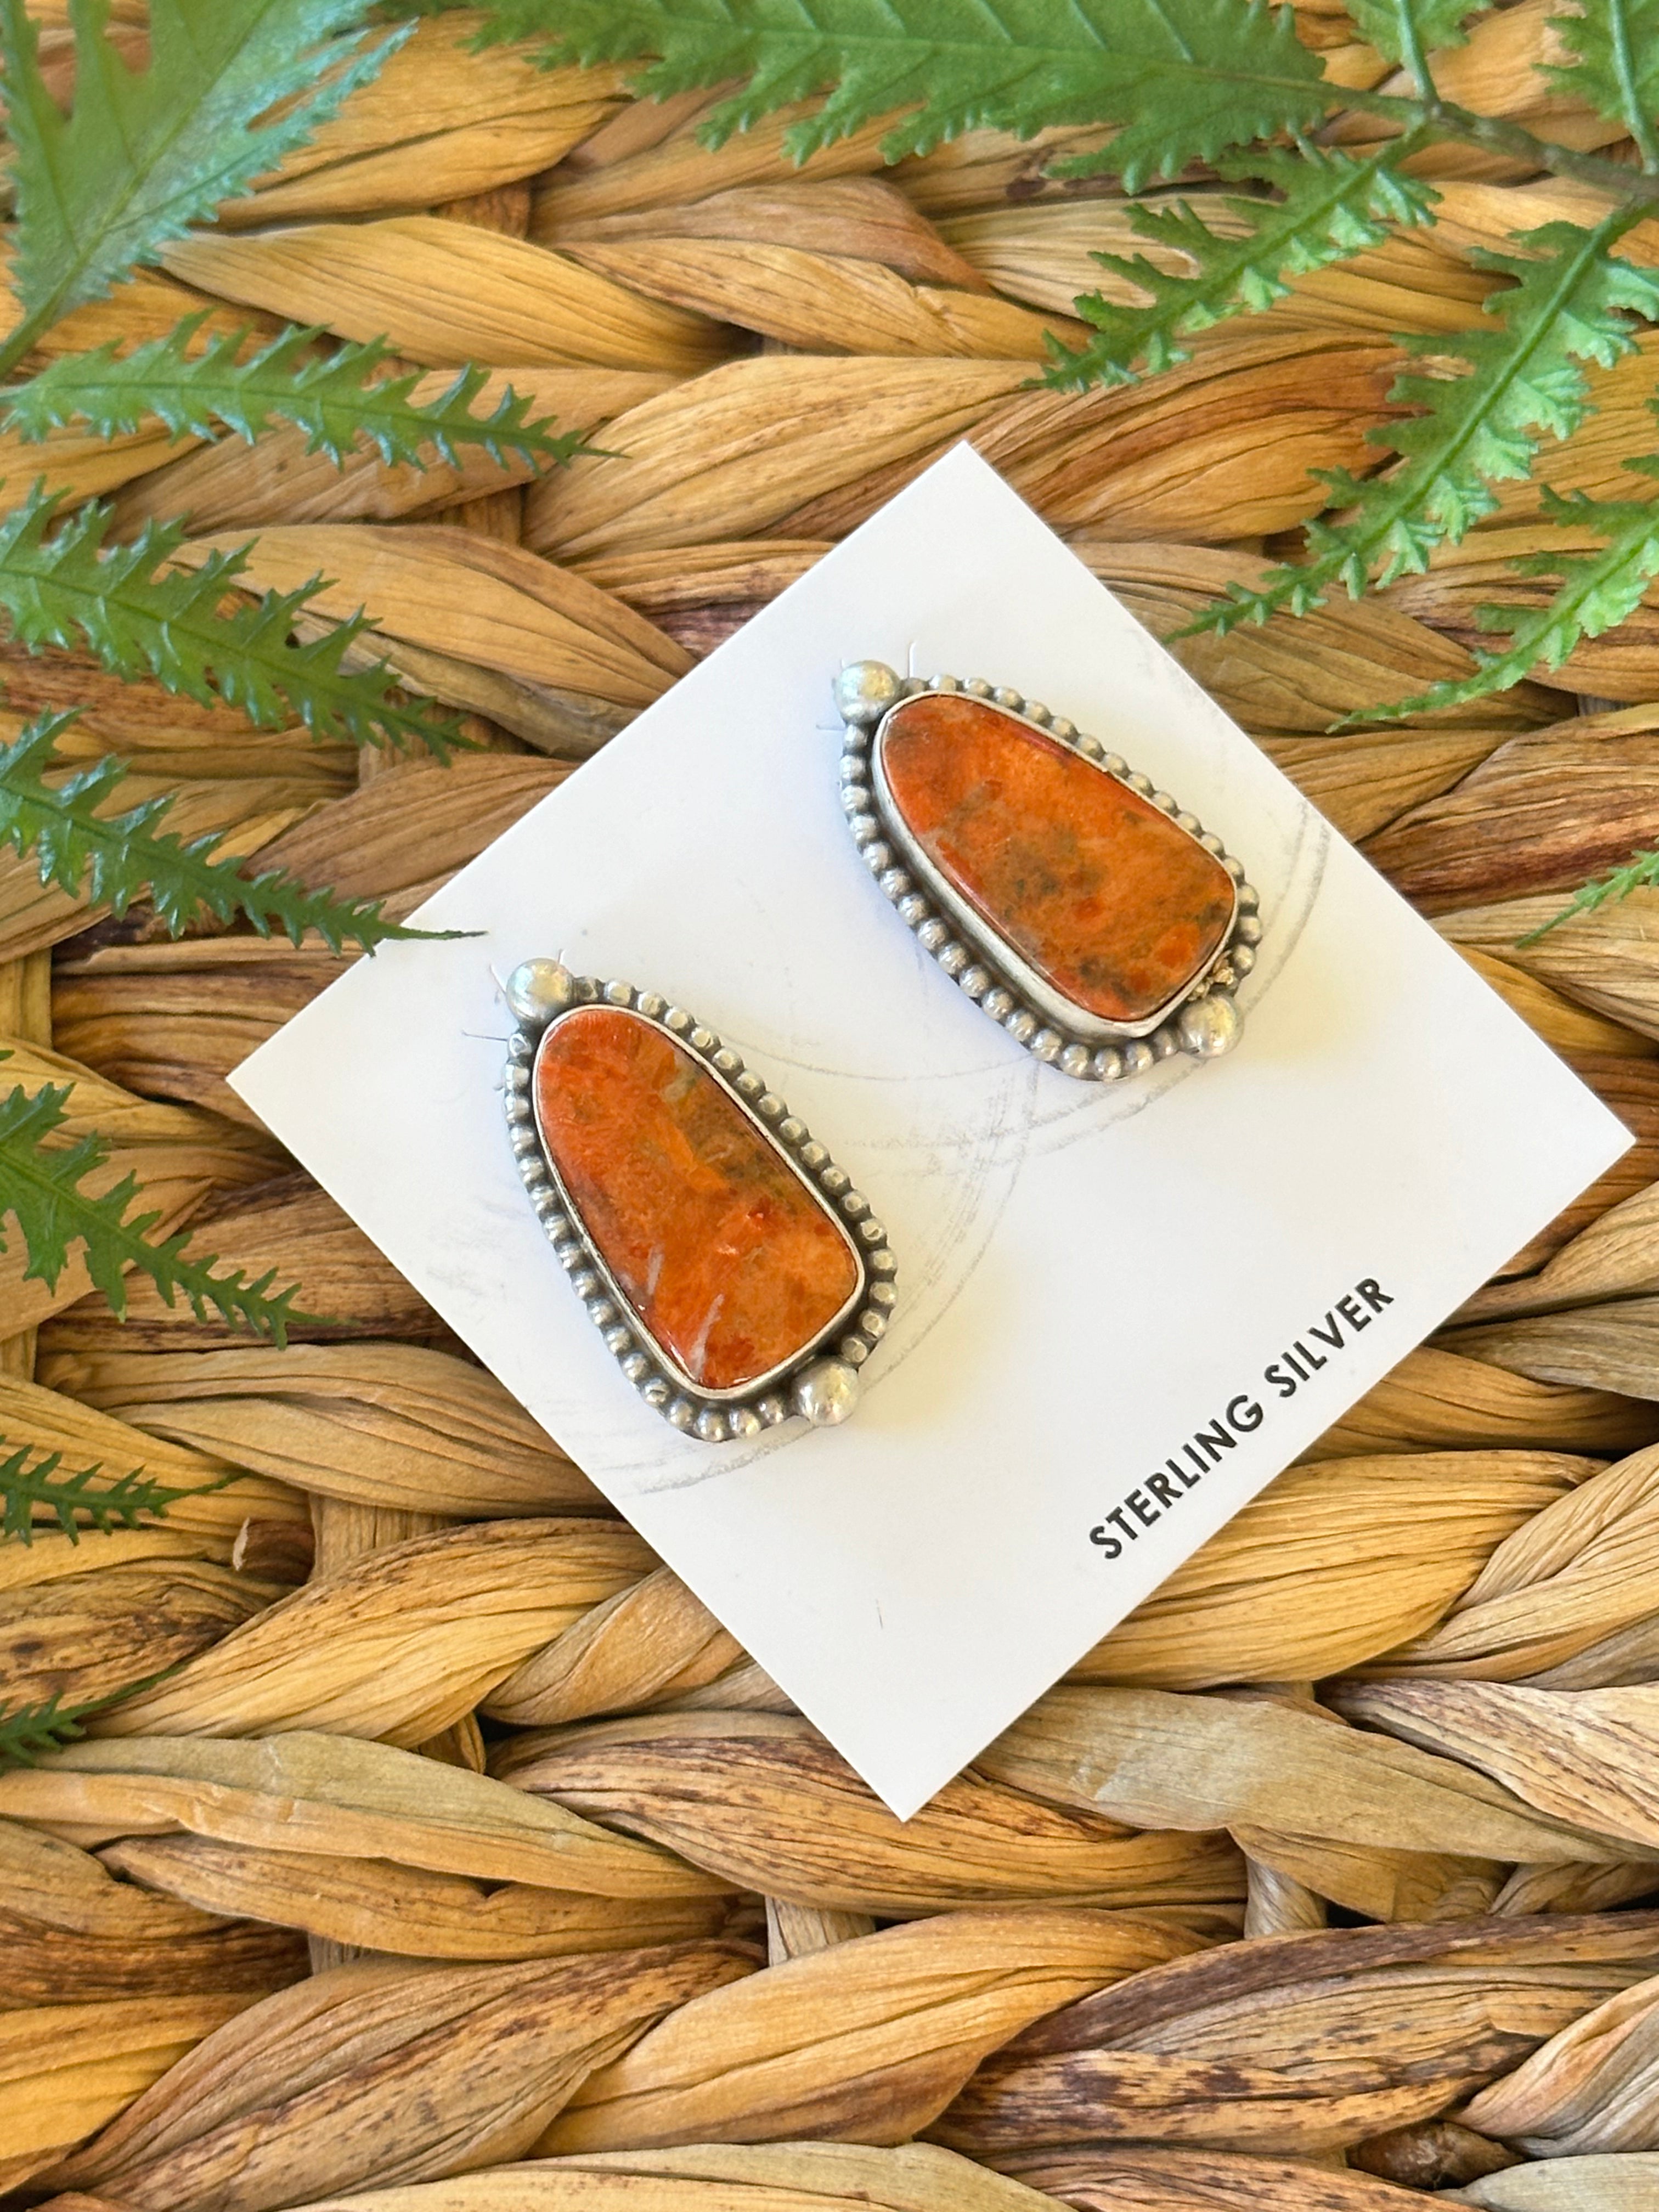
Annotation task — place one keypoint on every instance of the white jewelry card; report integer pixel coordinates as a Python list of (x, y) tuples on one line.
[(1122, 1308)]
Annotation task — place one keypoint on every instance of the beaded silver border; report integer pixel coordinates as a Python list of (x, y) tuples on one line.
[(980, 962), (714, 1416)]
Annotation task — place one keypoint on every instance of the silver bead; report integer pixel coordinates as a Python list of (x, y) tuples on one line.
[(952, 959), (826, 1393), (710, 1425), (773, 1409), (1045, 1046), (1106, 1064), (932, 934), (1013, 701), (1021, 1025), (652, 1005), (619, 994), (998, 1003), (745, 1421), (1074, 1061), (977, 688), (1241, 959), (865, 690), (1137, 1057), (538, 989), (976, 981), (1209, 1026), (1248, 930)]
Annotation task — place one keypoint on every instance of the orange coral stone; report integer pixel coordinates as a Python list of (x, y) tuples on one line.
[(728, 1257), (1111, 904)]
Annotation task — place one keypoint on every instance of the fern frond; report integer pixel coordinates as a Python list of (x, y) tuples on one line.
[(28, 1482), (1332, 207), (63, 587), (1597, 592), (1615, 45), (28, 1733), (41, 1190), (1572, 303), (112, 860), (145, 153), (1399, 28), (1185, 80), (1640, 870), (340, 400)]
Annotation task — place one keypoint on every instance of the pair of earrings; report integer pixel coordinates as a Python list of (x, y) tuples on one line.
[(739, 1278)]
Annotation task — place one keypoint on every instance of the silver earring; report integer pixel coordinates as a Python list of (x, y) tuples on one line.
[(1100, 925), (737, 1276)]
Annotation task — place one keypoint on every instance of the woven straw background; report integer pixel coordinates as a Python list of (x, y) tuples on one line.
[(463, 1859)]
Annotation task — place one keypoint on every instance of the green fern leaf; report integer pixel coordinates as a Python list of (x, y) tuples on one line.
[(113, 858), (1615, 66), (28, 1733), (1397, 29), (1639, 872), (1333, 207), (339, 399), (41, 1190), (1597, 592), (63, 587), (145, 153), (29, 1483), (1184, 79), (1572, 304)]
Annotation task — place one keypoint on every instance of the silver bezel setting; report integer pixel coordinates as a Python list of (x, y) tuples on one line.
[(847, 1341), (978, 960)]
